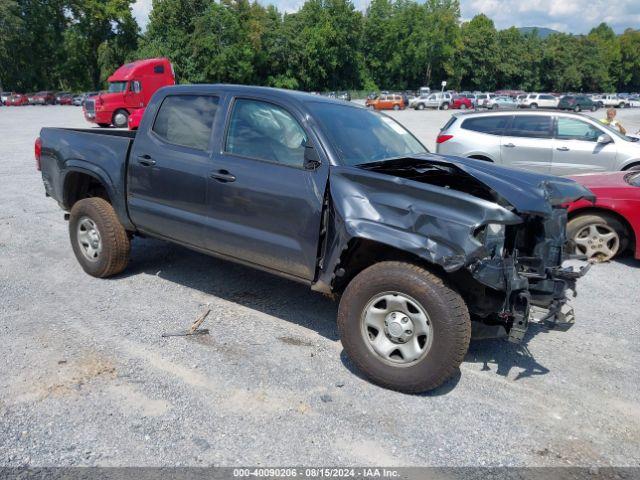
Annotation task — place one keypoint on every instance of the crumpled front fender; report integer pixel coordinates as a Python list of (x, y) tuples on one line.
[(431, 222)]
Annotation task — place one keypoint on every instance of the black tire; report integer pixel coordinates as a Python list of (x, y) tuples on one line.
[(594, 108), (449, 322), (120, 118), (396, 107), (104, 125), (445, 106), (582, 221), (114, 256), (533, 106), (420, 106), (577, 108)]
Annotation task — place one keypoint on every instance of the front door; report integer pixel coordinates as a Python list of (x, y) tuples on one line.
[(527, 143), (576, 148), (169, 169), (265, 208)]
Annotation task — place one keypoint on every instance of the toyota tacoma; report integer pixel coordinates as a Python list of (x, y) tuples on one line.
[(415, 246)]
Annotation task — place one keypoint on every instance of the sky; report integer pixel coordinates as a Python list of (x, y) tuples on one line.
[(570, 16)]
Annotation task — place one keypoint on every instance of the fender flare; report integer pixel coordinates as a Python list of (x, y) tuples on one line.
[(95, 171)]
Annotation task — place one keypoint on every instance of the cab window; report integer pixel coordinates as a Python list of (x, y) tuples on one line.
[(186, 120), (266, 132)]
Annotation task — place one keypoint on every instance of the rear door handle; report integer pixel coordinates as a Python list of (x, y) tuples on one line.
[(563, 149), (146, 160), (509, 145), (223, 176)]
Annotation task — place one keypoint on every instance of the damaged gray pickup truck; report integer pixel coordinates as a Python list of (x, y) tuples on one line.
[(415, 246)]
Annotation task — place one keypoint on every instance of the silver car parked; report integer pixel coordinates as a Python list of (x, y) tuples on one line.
[(546, 142)]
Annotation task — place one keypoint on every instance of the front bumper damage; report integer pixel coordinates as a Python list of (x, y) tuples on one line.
[(531, 276)]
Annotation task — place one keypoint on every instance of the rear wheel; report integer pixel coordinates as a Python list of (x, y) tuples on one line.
[(120, 118), (577, 108), (533, 106), (445, 106), (403, 327), (396, 107), (99, 241), (420, 106), (104, 125), (621, 105), (594, 108), (463, 106), (598, 236)]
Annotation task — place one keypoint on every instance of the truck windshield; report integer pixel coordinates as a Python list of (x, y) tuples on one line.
[(361, 136), (117, 87)]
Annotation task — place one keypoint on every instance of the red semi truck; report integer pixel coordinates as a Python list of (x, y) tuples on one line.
[(130, 87)]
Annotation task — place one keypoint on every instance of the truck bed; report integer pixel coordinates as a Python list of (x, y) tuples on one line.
[(101, 153)]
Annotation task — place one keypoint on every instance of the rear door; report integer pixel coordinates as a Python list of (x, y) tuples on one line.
[(528, 143), (169, 167), (265, 207), (576, 148)]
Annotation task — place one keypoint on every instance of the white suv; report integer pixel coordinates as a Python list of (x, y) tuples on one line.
[(539, 100), (434, 100)]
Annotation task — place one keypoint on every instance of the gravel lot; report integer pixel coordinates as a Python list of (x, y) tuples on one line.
[(86, 379)]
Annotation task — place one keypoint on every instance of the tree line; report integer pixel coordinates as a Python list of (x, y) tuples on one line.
[(325, 45)]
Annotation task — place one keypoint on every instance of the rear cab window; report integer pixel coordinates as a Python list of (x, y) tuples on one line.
[(186, 120), (493, 124)]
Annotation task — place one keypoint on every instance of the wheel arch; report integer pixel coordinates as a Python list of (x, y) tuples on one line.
[(361, 253), (631, 164), (479, 156), (81, 183)]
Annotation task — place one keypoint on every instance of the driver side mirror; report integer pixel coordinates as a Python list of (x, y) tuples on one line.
[(311, 158), (604, 139)]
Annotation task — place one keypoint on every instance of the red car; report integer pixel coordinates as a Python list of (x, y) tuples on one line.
[(611, 225), (66, 99), (17, 100), (461, 102), (44, 98)]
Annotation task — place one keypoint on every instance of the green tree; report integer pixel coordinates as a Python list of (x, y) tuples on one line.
[(629, 60), (478, 58), (562, 72), (10, 27)]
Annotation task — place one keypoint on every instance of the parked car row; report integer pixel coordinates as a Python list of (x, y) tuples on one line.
[(44, 98)]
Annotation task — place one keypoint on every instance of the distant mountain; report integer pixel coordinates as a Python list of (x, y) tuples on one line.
[(542, 31)]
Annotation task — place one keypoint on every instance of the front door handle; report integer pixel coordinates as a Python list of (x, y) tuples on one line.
[(563, 149), (146, 160), (509, 145), (223, 176)]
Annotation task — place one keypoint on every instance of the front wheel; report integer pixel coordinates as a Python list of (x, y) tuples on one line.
[(533, 106), (403, 327), (120, 118), (594, 108), (445, 106), (577, 108), (420, 107), (463, 106), (598, 236), (99, 241), (396, 107)]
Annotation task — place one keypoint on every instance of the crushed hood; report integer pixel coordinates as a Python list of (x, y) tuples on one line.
[(527, 192)]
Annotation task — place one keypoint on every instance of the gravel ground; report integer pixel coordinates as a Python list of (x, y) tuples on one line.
[(86, 379)]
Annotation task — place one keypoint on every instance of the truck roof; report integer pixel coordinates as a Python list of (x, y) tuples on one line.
[(129, 70), (275, 93)]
